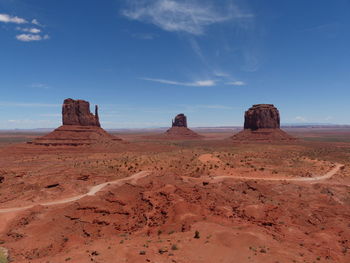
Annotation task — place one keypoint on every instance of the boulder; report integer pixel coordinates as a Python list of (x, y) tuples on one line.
[(77, 112)]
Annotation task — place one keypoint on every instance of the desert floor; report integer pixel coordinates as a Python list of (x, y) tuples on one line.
[(210, 200)]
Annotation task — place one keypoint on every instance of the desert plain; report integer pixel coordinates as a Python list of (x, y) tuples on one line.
[(155, 200)]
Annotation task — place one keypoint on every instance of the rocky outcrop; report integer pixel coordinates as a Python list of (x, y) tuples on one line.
[(262, 116), (262, 123), (80, 127), (179, 130), (77, 112), (180, 121)]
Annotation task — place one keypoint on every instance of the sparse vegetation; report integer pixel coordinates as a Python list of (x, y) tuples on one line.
[(174, 247), (234, 201), (3, 255)]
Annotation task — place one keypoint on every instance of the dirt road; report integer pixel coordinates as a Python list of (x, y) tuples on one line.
[(133, 179), (216, 179), (93, 191)]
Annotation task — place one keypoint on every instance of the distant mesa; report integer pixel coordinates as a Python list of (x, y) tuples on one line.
[(262, 123), (180, 121), (80, 127), (262, 116), (179, 129)]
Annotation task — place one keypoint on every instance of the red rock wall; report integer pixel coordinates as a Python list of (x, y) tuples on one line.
[(180, 121), (77, 112), (262, 116)]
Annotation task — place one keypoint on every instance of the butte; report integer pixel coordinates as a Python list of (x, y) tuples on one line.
[(262, 123), (80, 127), (179, 129)]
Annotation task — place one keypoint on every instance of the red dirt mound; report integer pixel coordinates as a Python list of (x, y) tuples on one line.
[(177, 133), (263, 135), (72, 135), (182, 132)]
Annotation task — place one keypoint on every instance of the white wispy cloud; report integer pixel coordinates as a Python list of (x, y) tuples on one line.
[(198, 83), (198, 51), (223, 79), (31, 33), (31, 37), (236, 83), (180, 16), (36, 22), (301, 119), (227, 79), (39, 85), (32, 30), (5, 18), (221, 74)]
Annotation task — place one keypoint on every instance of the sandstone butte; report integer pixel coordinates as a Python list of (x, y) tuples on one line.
[(80, 127), (179, 129), (77, 112), (262, 123)]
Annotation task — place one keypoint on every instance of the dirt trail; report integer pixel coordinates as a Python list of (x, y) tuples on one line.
[(217, 179), (133, 179), (93, 191)]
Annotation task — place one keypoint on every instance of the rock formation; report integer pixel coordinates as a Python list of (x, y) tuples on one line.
[(179, 129), (262, 116), (180, 121), (80, 127), (262, 123), (77, 112)]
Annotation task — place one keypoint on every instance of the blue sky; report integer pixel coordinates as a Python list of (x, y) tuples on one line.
[(143, 62)]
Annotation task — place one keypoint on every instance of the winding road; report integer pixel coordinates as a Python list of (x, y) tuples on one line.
[(135, 177), (327, 175), (93, 191)]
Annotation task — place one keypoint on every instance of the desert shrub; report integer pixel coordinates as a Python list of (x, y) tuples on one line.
[(196, 234), (3, 257), (174, 247)]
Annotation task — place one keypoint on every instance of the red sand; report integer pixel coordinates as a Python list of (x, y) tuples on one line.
[(183, 210), (262, 135), (72, 135)]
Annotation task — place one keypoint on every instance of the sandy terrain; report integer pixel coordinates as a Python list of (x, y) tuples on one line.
[(209, 200)]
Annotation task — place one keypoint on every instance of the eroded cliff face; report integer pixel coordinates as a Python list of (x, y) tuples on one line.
[(77, 112), (180, 121), (262, 116)]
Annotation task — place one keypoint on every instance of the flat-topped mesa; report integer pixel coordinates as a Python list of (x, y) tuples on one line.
[(262, 123), (262, 116), (77, 112), (180, 121)]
